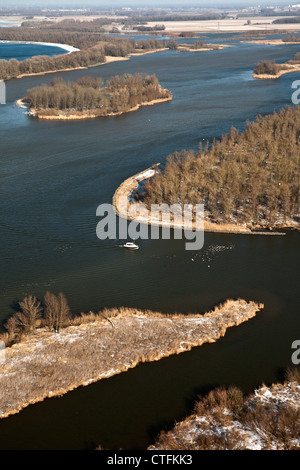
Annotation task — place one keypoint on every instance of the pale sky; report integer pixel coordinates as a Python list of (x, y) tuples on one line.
[(140, 3)]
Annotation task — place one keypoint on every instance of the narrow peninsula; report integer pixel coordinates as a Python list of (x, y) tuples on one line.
[(248, 182), (87, 97), (47, 363)]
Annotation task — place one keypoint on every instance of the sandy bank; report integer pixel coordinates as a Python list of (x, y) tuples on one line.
[(108, 60), (271, 42), (50, 364), (208, 47), (50, 71), (143, 52), (288, 68), (141, 214), (22, 104)]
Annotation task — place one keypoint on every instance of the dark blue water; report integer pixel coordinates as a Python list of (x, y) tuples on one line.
[(53, 177), (26, 51)]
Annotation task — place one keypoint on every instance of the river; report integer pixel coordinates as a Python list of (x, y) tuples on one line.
[(53, 177)]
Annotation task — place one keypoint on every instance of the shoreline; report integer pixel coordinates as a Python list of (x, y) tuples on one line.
[(48, 364), (74, 117), (217, 425), (65, 47), (210, 47), (108, 60), (292, 69), (129, 185), (272, 42)]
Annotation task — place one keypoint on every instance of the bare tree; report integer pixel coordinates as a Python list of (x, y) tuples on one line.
[(56, 311), (29, 315)]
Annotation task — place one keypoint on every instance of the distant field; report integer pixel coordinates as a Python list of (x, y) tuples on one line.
[(257, 23), (11, 21), (226, 25)]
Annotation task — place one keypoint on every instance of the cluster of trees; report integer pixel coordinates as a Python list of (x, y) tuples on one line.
[(198, 44), (292, 37), (53, 312), (157, 27), (266, 67), (296, 58), (187, 34), (120, 94), (251, 177)]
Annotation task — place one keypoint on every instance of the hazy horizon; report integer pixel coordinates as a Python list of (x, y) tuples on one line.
[(82, 4)]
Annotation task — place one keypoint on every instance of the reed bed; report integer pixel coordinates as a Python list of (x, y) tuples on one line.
[(99, 345)]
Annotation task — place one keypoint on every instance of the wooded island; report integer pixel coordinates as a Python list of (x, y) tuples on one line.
[(267, 69), (88, 97)]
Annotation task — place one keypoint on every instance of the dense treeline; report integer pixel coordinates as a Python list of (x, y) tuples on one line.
[(80, 40), (266, 67), (272, 12), (251, 177), (296, 19), (187, 34), (157, 27), (93, 47), (42, 34), (292, 37), (120, 94), (13, 68), (176, 17)]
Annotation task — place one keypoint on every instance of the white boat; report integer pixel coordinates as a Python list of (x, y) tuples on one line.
[(131, 246)]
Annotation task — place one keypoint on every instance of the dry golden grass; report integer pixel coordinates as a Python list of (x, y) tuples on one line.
[(98, 346), (269, 419)]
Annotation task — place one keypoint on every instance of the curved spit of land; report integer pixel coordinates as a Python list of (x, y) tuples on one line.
[(136, 210), (98, 346)]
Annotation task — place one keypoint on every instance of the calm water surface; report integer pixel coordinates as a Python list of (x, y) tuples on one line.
[(25, 51), (54, 176)]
